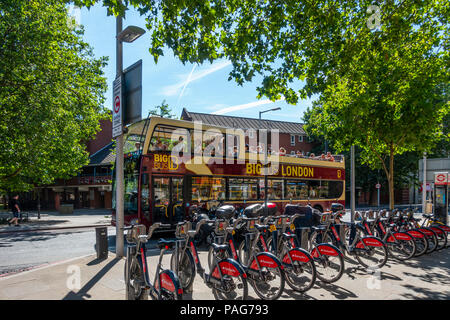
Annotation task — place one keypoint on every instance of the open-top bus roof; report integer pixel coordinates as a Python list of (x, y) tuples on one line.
[(140, 133)]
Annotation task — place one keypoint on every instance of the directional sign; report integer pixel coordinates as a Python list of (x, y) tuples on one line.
[(117, 108)]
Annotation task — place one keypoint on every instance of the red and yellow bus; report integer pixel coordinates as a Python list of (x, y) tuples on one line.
[(161, 187)]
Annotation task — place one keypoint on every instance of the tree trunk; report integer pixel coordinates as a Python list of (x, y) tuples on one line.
[(391, 179)]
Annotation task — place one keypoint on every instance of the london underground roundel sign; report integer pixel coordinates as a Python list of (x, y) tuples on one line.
[(440, 178)]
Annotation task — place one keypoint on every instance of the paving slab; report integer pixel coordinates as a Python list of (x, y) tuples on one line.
[(426, 277)]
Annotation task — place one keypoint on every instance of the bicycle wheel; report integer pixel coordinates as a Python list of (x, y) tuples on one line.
[(244, 255), (169, 286), (186, 268), (329, 268), (421, 242), (372, 257), (300, 276), (136, 283), (441, 238), (269, 285), (230, 287), (318, 237), (215, 256), (432, 239), (402, 249)]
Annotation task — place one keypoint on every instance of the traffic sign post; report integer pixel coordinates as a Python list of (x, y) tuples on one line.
[(378, 186)]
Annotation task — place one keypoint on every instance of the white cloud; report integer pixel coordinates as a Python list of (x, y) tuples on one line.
[(245, 106), (173, 89)]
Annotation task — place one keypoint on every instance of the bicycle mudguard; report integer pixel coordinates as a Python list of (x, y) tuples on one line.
[(399, 236), (297, 254), (170, 282), (445, 228), (326, 249), (229, 267), (427, 231), (438, 230), (266, 259), (370, 242), (415, 233)]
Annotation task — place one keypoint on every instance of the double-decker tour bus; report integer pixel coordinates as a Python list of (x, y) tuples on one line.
[(162, 185)]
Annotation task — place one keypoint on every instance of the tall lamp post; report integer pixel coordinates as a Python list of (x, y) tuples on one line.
[(130, 34), (265, 161)]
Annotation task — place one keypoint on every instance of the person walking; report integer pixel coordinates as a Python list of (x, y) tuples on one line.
[(14, 206)]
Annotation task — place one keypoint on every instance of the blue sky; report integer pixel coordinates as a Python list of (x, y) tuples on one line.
[(198, 88)]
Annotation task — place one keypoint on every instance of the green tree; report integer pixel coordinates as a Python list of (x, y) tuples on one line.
[(51, 94), (163, 110), (378, 70)]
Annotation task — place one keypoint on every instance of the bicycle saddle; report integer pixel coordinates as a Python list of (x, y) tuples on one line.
[(288, 236), (219, 247), (168, 244), (261, 227)]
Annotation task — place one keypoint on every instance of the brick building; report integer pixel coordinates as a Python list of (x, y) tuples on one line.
[(292, 136), (91, 188)]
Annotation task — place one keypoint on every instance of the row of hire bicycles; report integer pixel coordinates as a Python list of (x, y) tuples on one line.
[(256, 246)]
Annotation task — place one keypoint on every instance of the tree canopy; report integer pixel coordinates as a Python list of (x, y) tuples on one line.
[(163, 110), (51, 94)]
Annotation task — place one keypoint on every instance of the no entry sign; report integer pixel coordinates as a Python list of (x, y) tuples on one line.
[(117, 108)]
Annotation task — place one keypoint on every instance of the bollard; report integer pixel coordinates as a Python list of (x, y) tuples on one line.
[(303, 235), (102, 242)]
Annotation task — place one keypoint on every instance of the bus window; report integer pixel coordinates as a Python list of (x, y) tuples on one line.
[(243, 189), (132, 143), (323, 190), (145, 201), (275, 189), (177, 199), (335, 189), (177, 190), (314, 187), (213, 143), (161, 190), (296, 189), (162, 196), (208, 188), (131, 194), (170, 139)]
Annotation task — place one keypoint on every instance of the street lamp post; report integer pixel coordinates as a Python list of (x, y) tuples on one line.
[(424, 184), (352, 183), (265, 161), (130, 34)]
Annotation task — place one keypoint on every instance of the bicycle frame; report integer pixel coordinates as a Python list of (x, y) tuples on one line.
[(164, 280), (224, 267)]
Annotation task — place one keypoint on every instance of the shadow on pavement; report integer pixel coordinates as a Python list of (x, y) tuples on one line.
[(6, 240), (82, 294), (337, 291), (427, 293)]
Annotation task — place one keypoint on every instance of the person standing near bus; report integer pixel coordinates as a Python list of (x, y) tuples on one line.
[(14, 206)]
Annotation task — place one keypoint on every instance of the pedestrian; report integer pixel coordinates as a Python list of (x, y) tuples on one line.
[(14, 206)]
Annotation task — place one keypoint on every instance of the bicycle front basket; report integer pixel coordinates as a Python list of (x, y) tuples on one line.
[(182, 229), (134, 233), (324, 218)]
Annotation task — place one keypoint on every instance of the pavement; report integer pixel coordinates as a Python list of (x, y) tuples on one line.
[(53, 220), (87, 278)]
